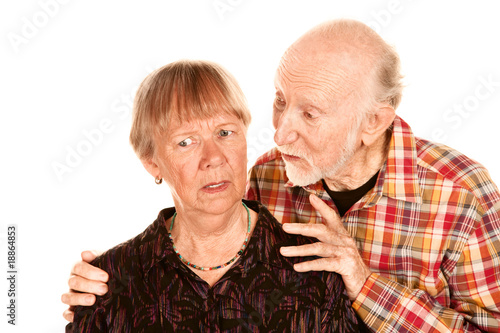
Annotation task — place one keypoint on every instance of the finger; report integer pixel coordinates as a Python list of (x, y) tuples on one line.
[(74, 299), (321, 264), (310, 230), (78, 283), (330, 217), (315, 249), (89, 272), (69, 315), (319, 231)]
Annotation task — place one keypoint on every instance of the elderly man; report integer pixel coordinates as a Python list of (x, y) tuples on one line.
[(412, 226)]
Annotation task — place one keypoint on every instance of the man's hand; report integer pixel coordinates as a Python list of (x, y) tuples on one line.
[(336, 247), (85, 281)]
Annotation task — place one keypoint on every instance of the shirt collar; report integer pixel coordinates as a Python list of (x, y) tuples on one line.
[(398, 177), (267, 238)]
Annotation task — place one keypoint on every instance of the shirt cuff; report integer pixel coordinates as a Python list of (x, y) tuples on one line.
[(378, 299)]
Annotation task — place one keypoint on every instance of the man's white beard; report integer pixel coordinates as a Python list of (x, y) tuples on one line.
[(303, 176)]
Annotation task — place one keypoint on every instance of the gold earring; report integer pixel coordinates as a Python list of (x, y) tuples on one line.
[(158, 180)]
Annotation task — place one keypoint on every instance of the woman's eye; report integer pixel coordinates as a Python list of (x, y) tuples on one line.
[(225, 133), (186, 142)]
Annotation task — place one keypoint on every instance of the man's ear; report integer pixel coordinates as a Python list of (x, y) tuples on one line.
[(151, 167), (377, 123)]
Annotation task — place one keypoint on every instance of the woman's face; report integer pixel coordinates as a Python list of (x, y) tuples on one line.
[(204, 162)]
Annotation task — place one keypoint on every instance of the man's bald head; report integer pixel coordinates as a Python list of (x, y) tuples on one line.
[(371, 66)]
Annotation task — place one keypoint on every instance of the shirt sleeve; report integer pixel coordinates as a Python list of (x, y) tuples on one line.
[(88, 319), (474, 292)]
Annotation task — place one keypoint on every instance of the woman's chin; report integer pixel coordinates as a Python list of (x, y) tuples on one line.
[(218, 205)]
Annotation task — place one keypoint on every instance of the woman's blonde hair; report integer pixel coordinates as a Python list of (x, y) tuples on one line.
[(187, 90)]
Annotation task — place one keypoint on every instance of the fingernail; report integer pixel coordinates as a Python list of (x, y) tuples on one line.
[(298, 267), (284, 250), (103, 289), (89, 299), (313, 197)]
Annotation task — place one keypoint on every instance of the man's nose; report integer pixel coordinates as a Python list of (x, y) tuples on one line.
[(285, 129)]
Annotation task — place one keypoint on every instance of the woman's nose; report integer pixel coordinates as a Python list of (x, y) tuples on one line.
[(213, 156)]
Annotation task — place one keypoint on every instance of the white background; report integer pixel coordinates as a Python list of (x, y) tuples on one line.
[(66, 69)]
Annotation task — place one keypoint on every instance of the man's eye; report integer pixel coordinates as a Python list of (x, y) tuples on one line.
[(280, 101), (186, 142), (311, 115), (225, 133)]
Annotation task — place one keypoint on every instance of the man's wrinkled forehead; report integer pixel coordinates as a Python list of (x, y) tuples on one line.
[(329, 73)]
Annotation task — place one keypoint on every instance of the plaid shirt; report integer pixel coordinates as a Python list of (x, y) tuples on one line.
[(429, 230)]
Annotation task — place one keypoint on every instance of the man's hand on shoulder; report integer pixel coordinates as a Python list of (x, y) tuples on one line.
[(85, 282), (336, 248)]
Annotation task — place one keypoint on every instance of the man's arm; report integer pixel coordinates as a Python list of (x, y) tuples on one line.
[(85, 282), (387, 305), (472, 286)]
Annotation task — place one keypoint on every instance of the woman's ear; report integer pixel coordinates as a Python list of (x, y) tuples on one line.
[(151, 167), (377, 123)]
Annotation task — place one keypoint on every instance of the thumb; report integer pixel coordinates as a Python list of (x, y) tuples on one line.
[(88, 256), (330, 217)]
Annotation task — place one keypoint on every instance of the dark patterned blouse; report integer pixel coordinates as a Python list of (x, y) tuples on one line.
[(151, 290)]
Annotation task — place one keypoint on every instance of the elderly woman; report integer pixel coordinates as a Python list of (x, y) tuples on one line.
[(212, 262)]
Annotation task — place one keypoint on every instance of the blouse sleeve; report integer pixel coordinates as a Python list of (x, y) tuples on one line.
[(88, 319), (337, 312)]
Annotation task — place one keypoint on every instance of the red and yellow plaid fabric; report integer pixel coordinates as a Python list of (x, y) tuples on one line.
[(429, 230)]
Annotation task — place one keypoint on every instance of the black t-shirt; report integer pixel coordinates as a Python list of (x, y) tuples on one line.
[(346, 199)]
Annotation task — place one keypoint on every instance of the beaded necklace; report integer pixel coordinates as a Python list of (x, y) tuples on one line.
[(240, 252)]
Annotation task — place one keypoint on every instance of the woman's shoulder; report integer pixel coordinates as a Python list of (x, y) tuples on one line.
[(135, 253), (271, 225), (269, 237)]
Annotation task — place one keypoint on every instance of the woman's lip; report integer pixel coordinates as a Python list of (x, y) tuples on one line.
[(216, 183), (216, 186)]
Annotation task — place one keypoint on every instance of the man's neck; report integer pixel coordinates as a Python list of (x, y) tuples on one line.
[(362, 166)]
